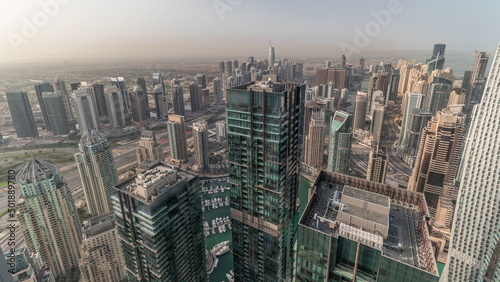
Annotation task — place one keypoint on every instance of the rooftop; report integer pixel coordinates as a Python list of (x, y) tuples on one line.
[(395, 226), (98, 224), (153, 182)]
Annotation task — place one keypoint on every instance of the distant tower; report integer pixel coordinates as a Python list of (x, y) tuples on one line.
[(178, 100), (344, 63), (86, 110), (60, 86), (437, 95), (176, 128), (149, 148), (39, 90), (114, 106), (48, 217), (142, 82), (55, 113), (160, 102), (221, 130), (377, 166), (22, 116), (160, 225), (339, 151), (377, 121), (217, 83), (98, 92), (102, 258), (362, 62), (201, 80), (119, 82), (360, 111), (195, 97), (205, 98), (315, 139), (229, 68), (222, 68), (437, 59), (271, 56), (477, 80), (392, 89), (97, 171), (408, 147), (139, 105), (200, 138)]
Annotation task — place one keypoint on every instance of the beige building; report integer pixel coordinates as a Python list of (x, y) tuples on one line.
[(149, 148), (176, 128), (101, 253), (315, 140), (436, 168)]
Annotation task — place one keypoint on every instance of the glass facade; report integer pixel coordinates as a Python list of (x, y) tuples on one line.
[(162, 238), (263, 146)]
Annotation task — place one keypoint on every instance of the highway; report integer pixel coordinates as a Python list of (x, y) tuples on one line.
[(390, 143)]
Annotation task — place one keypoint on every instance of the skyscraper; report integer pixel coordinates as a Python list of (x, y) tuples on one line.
[(436, 169), (114, 106), (475, 248), (221, 130), (205, 98), (437, 59), (160, 223), (98, 92), (119, 82), (408, 147), (315, 140), (377, 120), (392, 89), (39, 90), (97, 171), (437, 95), (201, 80), (195, 97), (360, 110), (142, 82), (229, 68), (56, 115), (353, 229), (176, 128), (86, 110), (200, 139), (178, 100), (339, 149), (102, 258), (263, 146), (139, 104), (22, 116), (149, 148), (60, 86), (48, 217), (217, 83), (477, 79), (377, 165), (160, 102), (271, 55)]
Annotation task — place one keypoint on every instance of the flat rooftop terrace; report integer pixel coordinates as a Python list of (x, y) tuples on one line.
[(402, 243)]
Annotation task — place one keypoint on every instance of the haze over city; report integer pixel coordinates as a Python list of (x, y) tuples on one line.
[(75, 29)]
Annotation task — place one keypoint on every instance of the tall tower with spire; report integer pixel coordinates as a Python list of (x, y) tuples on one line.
[(97, 171), (272, 57), (48, 217)]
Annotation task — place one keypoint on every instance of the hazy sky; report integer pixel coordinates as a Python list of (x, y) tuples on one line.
[(72, 29)]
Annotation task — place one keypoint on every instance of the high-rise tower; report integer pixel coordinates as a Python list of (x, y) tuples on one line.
[(315, 140), (339, 149), (22, 115), (48, 217), (87, 114), (160, 223), (176, 128), (475, 249), (200, 139), (178, 100), (56, 115), (114, 106), (149, 148), (139, 104), (263, 144), (39, 90), (272, 58), (97, 171)]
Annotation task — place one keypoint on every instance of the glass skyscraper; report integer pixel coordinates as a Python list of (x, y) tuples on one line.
[(264, 155), (339, 149), (22, 116), (48, 217), (160, 224)]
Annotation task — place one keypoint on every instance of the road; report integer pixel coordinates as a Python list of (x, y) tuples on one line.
[(391, 139)]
